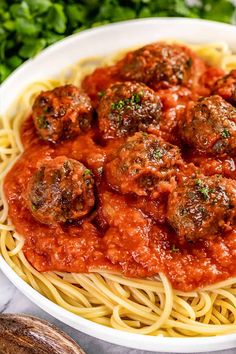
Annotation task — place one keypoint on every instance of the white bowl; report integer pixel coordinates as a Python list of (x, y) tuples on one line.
[(95, 42)]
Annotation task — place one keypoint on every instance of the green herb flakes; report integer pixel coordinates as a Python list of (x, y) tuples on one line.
[(174, 249), (225, 134), (157, 154), (87, 172), (132, 102), (42, 122)]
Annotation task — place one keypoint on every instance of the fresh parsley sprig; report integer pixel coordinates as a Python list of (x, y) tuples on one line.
[(28, 26)]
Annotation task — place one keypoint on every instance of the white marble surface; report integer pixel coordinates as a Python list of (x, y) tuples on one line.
[(11, 300)]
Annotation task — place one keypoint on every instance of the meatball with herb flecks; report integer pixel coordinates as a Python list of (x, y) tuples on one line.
[(62, 113), (201, 208), (226, 87), (159, 65), (144, 165), (209, 126), (127, 107), (61, 190)]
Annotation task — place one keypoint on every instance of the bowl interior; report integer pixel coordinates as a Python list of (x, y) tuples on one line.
[(100, 42)]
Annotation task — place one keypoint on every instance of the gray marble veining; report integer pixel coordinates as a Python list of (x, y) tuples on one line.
[(11, 300)]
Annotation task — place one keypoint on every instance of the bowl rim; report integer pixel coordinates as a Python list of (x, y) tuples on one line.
[(132, 340)]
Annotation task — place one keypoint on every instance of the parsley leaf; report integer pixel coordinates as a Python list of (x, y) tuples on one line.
[(87, 172), (174, 248), (204, 190), (158, 154), (56, 18), (225, 134), (42, 122)]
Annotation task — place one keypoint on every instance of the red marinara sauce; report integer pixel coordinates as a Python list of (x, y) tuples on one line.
[(149, 205)]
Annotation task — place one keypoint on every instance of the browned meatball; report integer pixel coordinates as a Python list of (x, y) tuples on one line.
[(61, 190), (62, 113), (202, 208), (128, 107), (145, 165), (158, 64), (226, 87), (210, 126)]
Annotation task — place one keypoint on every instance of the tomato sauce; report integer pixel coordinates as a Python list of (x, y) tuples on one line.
[(125, 234)]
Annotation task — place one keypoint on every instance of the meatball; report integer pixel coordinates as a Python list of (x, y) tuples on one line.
[(159, 64), (226, 87), (128, 107), (144, 165), (210, 126), (61, 190), (62, 113), (202, 208)]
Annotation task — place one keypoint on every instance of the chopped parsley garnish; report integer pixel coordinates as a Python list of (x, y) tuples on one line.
[(101, 93), (34, 207), (118, 105), (204, 190), (198, 182), (225, 134), (174, 249), (42, 122), (87, 172), (158, 154), (135, 98), (131, 102)]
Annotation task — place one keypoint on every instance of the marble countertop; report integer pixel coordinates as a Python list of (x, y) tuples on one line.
[(11, 300)]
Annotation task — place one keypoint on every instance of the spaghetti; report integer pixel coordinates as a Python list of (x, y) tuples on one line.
[(144, 306)]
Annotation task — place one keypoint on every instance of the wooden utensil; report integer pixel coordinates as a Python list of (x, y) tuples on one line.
[(21, 334)]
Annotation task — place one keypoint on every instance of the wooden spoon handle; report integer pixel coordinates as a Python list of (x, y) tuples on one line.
[(21, 334)]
